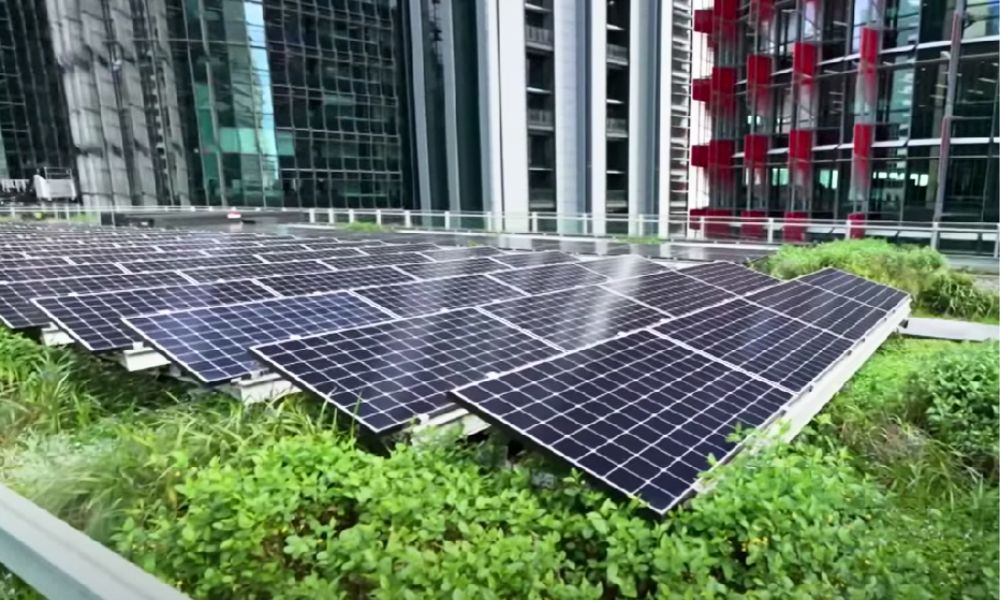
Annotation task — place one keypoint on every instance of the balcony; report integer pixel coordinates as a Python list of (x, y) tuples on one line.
[(541, 119), (617, 128), (617, 200), (617, 54), (538, 37)]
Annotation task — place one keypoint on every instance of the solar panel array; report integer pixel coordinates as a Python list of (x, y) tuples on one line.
[(630, 370)]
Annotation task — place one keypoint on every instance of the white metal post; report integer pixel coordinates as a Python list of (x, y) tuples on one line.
[(935, 234), (312, 215), (378, 217), (704, 233), (407, 219), (447, 219), (996, 243), (350, 215), (770, 230), (489, 221), (847, 230), (534, 222), (330, 218)]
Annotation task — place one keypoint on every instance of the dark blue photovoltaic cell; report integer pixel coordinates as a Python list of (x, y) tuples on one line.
[(244, 271), (282, 257), (639, 413), (452, 268), (457, 253), (425, 297), (57, 272), (671, 292), (33, 263), (357, 262), (574, 318), (388, 374), (549, 278), (815, 306), (534, 259), (145, 266), (95, 320), (624, 267), (214, 343), (730, 277), (856, 288), (17, 311), (307, 283), (400, 248), (761, 341)]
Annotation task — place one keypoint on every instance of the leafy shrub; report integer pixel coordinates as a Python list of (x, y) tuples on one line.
[(919, 270), (951, 293), (955, 396)]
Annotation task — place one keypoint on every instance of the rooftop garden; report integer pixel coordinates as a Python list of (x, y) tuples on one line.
[(892, 492)]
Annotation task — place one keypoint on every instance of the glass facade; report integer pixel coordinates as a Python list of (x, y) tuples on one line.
[(912, 85), (34, 127)]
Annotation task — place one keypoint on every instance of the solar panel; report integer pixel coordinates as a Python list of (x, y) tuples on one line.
[(17, 311), (532, 259), (95, 320), (12, 255), (451, 268), (671, 292), (210, 274), (397, 248), (761, 341), (425, 297), (307, 283), (108, 257), (258, 248), (730, 277), (388, 374), (624, 267), (458, 253), (355, 262), (577, 317), (322, 244), (857, 288), (55, 272), (279, 257), (639, 413), (549, 278), (32, 263), (818, 307), (92, 254), (146, 266), (213, 343)]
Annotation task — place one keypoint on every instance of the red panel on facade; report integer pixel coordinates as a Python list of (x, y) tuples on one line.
[(758, 70), (753, 224), (724, 80), (720, 153), (804, 60), (800, 145), (717, 223), (869, 47), (727, 10), (863, 137), (695, 218), (703, 20), (762, 9), (755, 147), (699, 155), (792, 232), (701, 89), (857, 221)]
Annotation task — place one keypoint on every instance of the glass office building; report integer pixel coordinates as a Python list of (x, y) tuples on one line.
[(829, 109)]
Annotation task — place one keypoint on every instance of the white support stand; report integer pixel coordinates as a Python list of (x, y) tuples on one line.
[(447, 219), (770, 230), (378, 217), (141, 359), (350, 215), (534, 222), (407, 219), (53, 336), (427, 427), (260, 388), (312, 215), (935, 234), (330, 217)]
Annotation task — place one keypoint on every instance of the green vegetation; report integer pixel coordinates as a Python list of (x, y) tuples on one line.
[(642, 240), (364, 226), (889, 494), (937, 290)]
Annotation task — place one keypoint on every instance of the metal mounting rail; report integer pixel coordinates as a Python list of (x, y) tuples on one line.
[(62, 563)]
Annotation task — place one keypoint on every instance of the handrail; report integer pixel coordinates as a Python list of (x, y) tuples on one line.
[(60, 562)]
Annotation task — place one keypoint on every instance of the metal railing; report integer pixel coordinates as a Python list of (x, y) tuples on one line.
[(966, 237), (617, 125), (538, 117), (538, 35), (617, 53), (59, 561)]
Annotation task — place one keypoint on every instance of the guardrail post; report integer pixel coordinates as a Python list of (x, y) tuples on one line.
[(312, 215), (407, 219), (770, 230), (378, 216), (935, 234), (12, 213), (489, 221), (996, 243), (585, 224), (447, 219), (534, 222), (192, 208), (847, 230), (350, 215), (330, 217)]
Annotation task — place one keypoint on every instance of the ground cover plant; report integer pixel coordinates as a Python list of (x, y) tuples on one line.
[(937, 290), (884, 496)]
